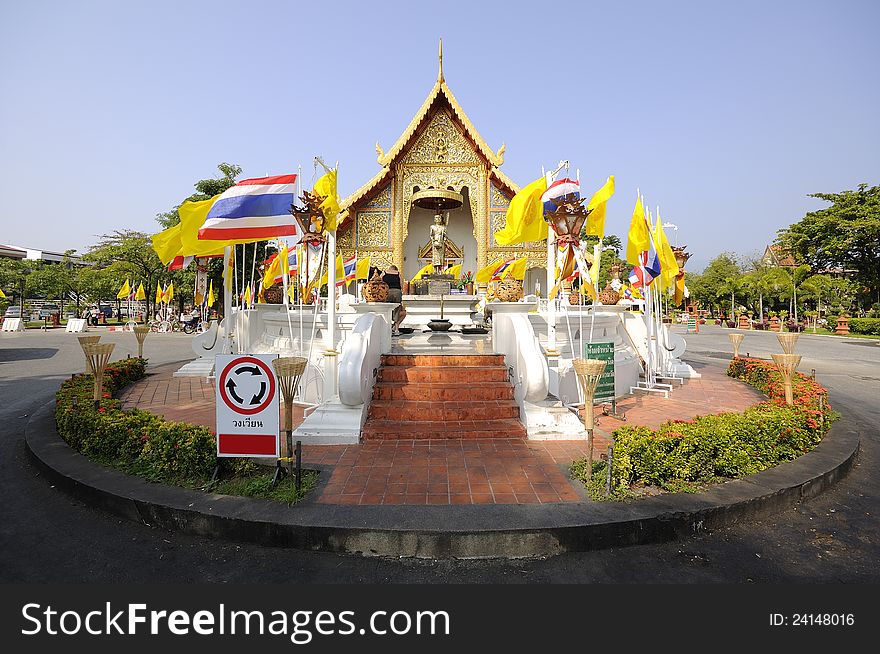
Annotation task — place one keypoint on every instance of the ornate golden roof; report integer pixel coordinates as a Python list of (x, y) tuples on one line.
[(439, 92)]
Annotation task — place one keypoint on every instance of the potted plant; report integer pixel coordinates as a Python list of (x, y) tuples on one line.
[(466, 281)]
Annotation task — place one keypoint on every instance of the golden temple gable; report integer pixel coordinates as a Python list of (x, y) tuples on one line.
[(440, 148)]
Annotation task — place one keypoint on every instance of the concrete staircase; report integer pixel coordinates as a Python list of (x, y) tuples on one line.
[(441, 397)]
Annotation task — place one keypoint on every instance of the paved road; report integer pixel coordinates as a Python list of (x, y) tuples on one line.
[(47, 536)]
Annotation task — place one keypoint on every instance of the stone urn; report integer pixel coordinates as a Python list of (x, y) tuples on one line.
[(274, 294), (376, 290), (509, 290), (842, 326), (609, 295)]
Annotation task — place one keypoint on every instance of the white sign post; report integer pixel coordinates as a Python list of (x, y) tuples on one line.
[(248, 408)]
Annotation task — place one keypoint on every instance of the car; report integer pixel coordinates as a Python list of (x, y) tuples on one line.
[(49, 310), (107, 310), (13, 312)]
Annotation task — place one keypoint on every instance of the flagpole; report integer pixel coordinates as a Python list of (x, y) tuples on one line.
[(551, 279), (227, 289)]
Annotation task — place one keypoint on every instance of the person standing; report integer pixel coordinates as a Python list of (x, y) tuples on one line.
[(395, 296)]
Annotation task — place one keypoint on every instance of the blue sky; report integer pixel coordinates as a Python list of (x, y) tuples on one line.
[(726, 114)]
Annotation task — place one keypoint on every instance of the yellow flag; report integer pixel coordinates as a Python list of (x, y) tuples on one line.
[(679, 289), (517, 269), (484, 275), (167, 244), (594, 267), (326, 188), (668, 265), (2, 294), (140, 294), (596, 219), (124, 292), (169, 292), (455, 270), (211, 298), (247, 295), (159, 294), (525, 216), (638, 239), (427, 269), (363, 268), (274, 269)]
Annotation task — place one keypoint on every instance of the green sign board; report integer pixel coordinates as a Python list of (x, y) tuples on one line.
[(692, 324), (605, 352)]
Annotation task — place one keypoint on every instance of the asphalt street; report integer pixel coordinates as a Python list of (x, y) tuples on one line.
[(47, 536)]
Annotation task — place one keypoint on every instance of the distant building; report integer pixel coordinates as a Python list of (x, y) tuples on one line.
[(777, 257), (33, 254)]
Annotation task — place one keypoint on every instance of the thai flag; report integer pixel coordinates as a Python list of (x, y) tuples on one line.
[(180, 263), (496, 275), (558, 190), (253, 208), (640, 279), (349, 267)]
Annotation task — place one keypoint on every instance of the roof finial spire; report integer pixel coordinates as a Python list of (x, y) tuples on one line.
[(440, 74)]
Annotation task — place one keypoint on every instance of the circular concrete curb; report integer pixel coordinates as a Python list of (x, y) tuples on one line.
[(442, 531)]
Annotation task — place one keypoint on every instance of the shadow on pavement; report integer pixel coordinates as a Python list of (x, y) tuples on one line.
[(27, 353)]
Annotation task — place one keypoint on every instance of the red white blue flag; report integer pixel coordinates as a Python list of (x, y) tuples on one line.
[(642, 276), (349, 268), (253, 208), (558, 190)]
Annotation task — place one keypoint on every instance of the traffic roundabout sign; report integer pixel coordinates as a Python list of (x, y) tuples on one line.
[(248, 408), (247, 385)]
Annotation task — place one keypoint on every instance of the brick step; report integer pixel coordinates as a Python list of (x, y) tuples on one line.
[(442, 391), (423, 430), (455, 411), (468, 375), (435, 360)]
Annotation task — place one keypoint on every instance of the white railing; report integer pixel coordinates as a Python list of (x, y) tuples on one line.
[(360, 358), (514, 337)]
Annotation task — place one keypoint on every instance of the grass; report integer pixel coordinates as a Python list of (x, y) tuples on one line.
[(830, 332), (259, 485)]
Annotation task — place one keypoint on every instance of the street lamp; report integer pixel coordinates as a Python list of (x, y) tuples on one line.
[(674, 227)]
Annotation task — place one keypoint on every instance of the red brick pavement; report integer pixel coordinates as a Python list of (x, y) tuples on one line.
[(453, 471)]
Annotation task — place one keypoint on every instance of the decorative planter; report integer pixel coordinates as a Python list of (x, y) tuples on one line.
[(609, 295), (469, 288), (775, 325), (744, 322), (842, 326), (376, 290), (274, 294), (575, 298), (509, 290)]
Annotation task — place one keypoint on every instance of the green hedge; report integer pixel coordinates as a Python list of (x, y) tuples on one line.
[(134, 439), (147, 445), (683, 455), (870, 326)]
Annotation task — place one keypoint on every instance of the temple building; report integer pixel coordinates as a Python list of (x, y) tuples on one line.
[(440, 149)]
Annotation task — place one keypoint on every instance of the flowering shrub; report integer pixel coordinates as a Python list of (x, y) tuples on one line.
[(135, 439), (684, 454)]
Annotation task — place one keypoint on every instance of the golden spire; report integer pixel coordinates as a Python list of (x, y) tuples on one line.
[(440, 74)]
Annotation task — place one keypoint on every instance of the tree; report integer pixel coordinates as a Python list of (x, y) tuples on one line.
[(720, 280), (126, 254), (844, 235)]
